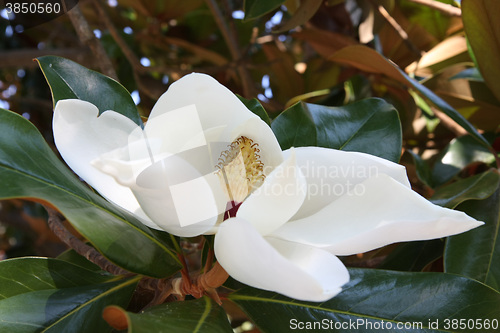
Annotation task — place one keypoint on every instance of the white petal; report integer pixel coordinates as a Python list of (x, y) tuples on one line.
[(378, 212), (186, 115), (81, 136), (126, 163), (277, 200), (331, 173), (178, 198), (294, 270), (215, 104), (176, 130)]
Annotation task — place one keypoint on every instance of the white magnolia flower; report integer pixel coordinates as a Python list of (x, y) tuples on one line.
[(205, 164)]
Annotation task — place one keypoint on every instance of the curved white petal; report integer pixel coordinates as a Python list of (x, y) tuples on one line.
[(176, 130), (294, 270), (332, 173), (81, 136), (198, 111), (215, 104), (126, 163), (278, 199), (377, 212), (178, 198)]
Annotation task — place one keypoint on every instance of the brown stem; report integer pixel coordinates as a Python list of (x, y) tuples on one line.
[(56, 225), (205, 284), (232, 43), (136, 65), (442, 7), (104, 18), (449, 123), (162, 289), (213, 278), (210, 259), (186, 279), (495, 154), (399, 30), (87, 37)]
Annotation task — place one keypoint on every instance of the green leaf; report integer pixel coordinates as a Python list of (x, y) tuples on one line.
[(375, 297), (422, 168), (457, 155), (69, 80), (23, 275), (370, 126), (201, 315), (431, 121), (476, 253), (477, 187), (434, 22), (29, 169), (257, 8), (51, 295), (413, 256), (483, 31), (356, 88), (64, 310), (257, 108)]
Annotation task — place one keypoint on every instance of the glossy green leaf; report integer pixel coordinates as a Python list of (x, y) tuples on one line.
[(370, 126), (169, 240), (457, 155), (476, 253), (51, 295), (75, 309), (69, 80), (24, 275), (413, 256), (29, 168), (482, 27), (201, 315), (477, 187), (257, 108), (256, 8), (376, 297)]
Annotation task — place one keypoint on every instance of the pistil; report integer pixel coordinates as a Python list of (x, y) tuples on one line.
[(240, 172)]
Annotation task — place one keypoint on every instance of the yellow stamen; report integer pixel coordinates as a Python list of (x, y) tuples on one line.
[(240, 169)]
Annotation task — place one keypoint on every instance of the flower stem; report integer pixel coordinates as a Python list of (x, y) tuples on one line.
[(56, 225), (204, 284)]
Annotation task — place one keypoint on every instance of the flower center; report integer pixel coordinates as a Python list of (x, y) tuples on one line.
[(240, 172)]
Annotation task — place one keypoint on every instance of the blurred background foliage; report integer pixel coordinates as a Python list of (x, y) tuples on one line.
[(279, 52)]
